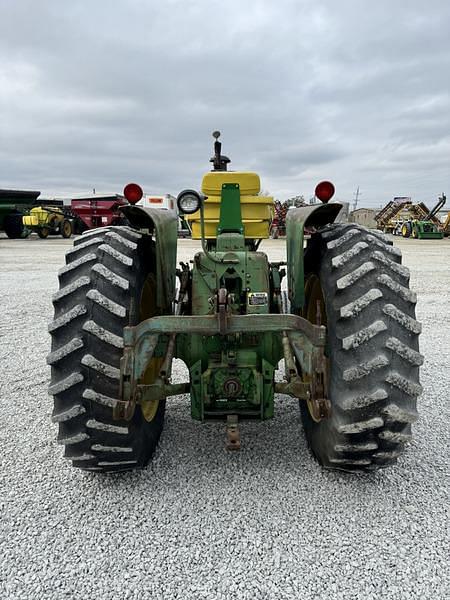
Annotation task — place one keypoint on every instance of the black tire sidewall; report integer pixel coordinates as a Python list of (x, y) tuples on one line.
[(147, 433), (327, 437), (62, 231), (13, 226)]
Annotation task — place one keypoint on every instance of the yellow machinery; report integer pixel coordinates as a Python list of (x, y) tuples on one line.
[(46, 220), (257, 211)]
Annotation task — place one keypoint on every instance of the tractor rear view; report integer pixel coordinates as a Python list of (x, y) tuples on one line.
[(345, 328)]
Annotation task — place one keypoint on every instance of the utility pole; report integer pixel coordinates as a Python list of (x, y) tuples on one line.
[(357, 195)]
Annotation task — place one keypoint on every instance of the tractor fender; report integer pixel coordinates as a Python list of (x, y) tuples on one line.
[(163, 226), (297, 220)]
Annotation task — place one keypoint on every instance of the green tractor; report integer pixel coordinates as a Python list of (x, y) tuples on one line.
[(427, 228), (344, 328)]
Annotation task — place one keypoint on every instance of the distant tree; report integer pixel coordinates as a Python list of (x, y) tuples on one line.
[(296, 201)]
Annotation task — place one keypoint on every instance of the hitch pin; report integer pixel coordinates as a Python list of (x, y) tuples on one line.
[(233, 441)]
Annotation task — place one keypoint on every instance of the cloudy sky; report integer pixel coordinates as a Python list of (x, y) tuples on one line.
[(98, 93)]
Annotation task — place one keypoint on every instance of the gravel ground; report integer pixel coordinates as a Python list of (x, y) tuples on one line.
[(265, 523)]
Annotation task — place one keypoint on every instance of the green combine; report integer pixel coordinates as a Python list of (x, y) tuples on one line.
[(14, 204), (343, 327)]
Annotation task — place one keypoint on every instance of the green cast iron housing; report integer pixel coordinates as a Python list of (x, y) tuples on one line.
[(234, 372), (231, 333)]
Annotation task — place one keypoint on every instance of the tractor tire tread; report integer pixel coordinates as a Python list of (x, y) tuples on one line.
[(93, 305), (374, 378)]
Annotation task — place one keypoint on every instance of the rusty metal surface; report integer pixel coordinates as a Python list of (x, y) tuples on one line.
[(314, 374), (318, 403), (209, 325), (160, 390), (233, 440), (222, 310), (295, 387), (134, 362)]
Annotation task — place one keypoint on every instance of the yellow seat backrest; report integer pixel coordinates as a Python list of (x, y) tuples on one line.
[(249, 183), (257, 211)]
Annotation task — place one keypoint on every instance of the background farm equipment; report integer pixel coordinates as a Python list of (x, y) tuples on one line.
[(429, 228), (402, 211), (48, 220), (167, 202), (344, 328), (98, 211), (13, 205), (278, 224)]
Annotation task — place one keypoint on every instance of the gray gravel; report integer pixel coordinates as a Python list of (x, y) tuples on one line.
[(200, 522)]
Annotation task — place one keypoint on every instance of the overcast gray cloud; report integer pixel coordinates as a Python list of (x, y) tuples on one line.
[(95, 94)]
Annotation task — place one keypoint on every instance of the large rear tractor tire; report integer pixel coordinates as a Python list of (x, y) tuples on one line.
[(372, 348), (107, 284)]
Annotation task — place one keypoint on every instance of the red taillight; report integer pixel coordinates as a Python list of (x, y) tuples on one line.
[(324, 191), (133, 192)]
